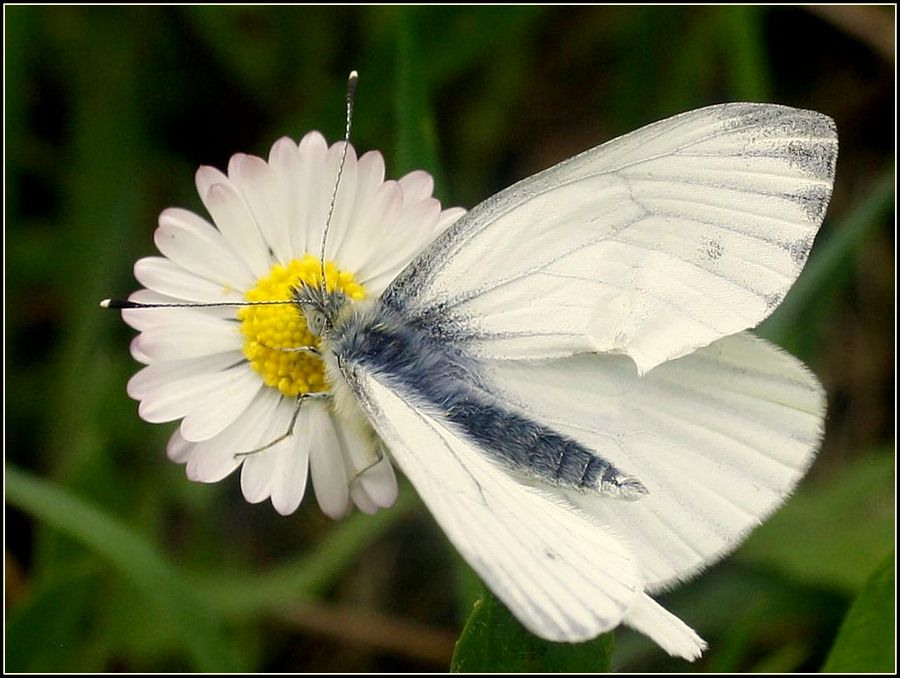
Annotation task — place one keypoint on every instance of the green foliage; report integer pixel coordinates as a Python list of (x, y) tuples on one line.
[(57, 609), (123, 565), (493, 641), (164, 585), (830, 533), (867, 640)]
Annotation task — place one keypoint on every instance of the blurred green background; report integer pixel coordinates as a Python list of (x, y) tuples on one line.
[(115, 562)]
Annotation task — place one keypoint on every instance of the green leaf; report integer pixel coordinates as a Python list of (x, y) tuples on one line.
[(831, 532), (134, 558), (235, 595), (46, 632), (494, 641), (743, 48), (248, 57), (866, 640), (469, 588), (416, 144)]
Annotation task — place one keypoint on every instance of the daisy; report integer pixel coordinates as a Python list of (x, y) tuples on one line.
[(234, 376)]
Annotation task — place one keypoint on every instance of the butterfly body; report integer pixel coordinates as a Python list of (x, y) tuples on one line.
[(443, 378)]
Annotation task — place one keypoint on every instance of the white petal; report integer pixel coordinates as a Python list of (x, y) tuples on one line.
[(417, 220), (195, 335), (150, 297), (382, 215), (166, 277), (284, 159), (256, 476), (375, 476), (262, 192), (205, 177), (362, 500), (358, 448), (178, 449), (362, 224), (417, 185), (340, 228), (141, 318), (163, 372), (144, 318), (236, 222), (214, 412), (376, 488), (311, 201), (371, 166), (260, 468), (289, 483), (136, 318), (448, 218), (413, 230), (380, 483), (213, 459), (284, 156), (137, 353), (195, 245), (175, 399), (326, 463), (210, 464)]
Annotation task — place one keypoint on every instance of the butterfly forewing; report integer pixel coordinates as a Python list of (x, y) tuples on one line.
[(652, 245)]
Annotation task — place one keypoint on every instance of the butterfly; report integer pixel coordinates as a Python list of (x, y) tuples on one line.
[(565, 373)]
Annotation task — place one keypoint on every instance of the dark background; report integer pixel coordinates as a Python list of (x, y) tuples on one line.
[(115, 562)]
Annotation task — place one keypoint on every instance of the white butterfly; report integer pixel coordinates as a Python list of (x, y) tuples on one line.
[(564, 374)]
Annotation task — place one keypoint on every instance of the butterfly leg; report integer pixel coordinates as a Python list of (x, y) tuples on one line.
[(290, 429), (311, 350), (379, 454)]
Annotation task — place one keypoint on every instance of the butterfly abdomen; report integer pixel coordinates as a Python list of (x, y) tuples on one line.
[(532, 449), (441, 376)]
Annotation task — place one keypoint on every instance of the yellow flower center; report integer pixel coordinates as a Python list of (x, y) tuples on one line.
[(271, 331)]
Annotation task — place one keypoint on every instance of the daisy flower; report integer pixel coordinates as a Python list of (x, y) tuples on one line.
[(232, 375)]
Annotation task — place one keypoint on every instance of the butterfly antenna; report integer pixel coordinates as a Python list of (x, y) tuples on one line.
[(125, 303), (351, 91)]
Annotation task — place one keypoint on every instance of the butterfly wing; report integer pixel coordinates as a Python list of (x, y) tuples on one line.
[(719, 438), (652, 245), (564, 575)]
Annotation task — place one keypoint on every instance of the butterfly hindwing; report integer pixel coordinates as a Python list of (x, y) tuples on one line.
[(719, 438)]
